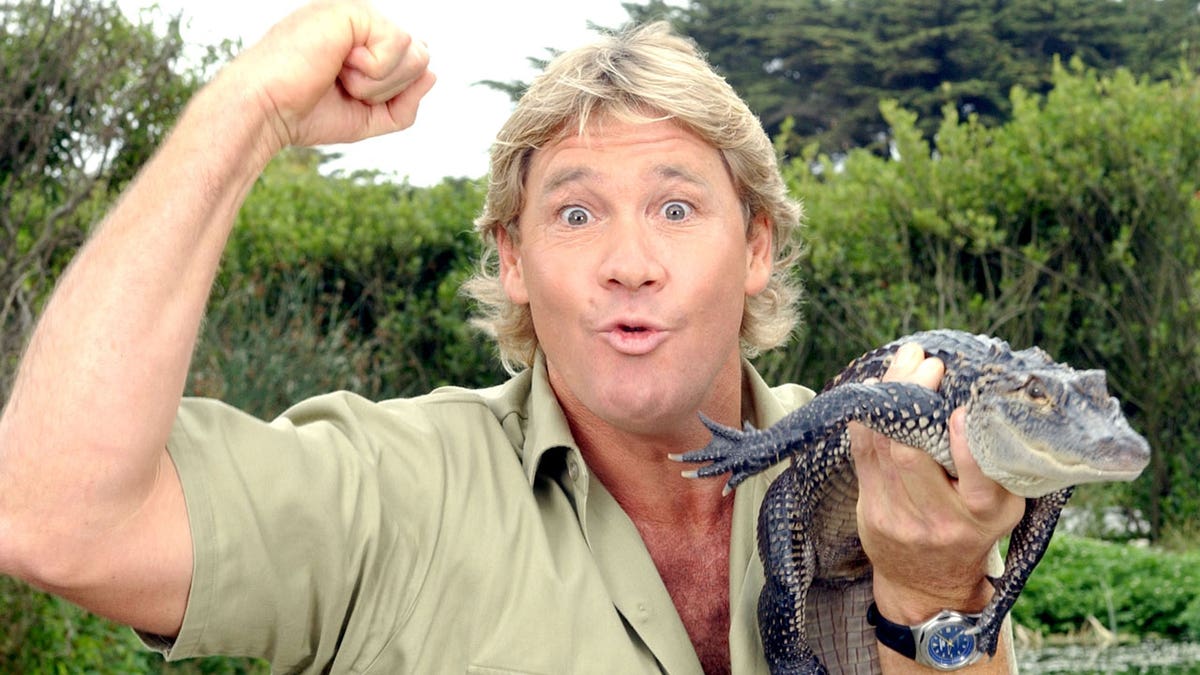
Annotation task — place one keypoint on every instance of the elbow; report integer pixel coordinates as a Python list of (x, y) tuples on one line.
[(33, 555), (15, 557), (32, 548)]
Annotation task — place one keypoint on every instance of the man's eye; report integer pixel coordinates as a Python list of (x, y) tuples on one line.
[(676, 210), (575, 216)]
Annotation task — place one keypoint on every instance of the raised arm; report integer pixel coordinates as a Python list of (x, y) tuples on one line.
[(929, 537), (90, 505)]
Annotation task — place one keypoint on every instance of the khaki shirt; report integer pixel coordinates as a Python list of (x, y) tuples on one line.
[(455, 532)]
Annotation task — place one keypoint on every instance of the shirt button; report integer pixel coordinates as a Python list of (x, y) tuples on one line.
[(643, 613), (573, 468)]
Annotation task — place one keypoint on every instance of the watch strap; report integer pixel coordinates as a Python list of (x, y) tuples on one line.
[(894, 636)]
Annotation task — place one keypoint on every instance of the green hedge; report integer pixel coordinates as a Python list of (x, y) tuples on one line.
[(344, 281), (42, 634), (1074, 226), (1132, 590)]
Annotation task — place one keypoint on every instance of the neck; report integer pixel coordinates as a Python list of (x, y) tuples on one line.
[(634, 466), (648, 485)]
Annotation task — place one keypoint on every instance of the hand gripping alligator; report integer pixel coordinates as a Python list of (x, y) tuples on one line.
[(1035, 426)]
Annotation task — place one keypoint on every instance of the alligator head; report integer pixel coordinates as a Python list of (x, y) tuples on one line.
[(1037, 430)]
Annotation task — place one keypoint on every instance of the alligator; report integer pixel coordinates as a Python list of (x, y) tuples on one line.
[(1035, 426)]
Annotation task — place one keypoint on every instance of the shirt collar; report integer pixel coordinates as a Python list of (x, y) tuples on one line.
[(544, 427)]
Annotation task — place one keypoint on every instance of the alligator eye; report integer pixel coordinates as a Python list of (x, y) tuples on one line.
[(1035, 389)]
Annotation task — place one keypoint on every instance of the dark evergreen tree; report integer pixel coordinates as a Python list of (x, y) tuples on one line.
[(827, 64)]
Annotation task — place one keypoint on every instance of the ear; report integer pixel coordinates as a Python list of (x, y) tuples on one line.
[(759, 254), (512, 275)]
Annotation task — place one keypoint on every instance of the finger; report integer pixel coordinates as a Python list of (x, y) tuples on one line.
[(984, 498), (905, 361), (909, 364), (382, 54), (906, 471), (379, 72), (402, 110)]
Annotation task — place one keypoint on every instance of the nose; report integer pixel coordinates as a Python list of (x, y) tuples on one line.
[(632, 256)]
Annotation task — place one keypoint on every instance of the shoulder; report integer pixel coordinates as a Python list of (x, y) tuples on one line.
[(772, 403), (791, 396)]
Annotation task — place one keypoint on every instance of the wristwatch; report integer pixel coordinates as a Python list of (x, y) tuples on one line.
[(945, 642)]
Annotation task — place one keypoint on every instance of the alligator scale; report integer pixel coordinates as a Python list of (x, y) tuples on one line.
[(1035, 426)]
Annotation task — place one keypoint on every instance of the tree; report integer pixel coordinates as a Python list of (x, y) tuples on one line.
[(84, 97), (1075, 226), (827, 64)]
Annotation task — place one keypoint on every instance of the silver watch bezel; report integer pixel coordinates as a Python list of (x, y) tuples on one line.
[(923, 633)]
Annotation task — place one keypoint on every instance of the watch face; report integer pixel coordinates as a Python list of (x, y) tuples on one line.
[(949, 645)]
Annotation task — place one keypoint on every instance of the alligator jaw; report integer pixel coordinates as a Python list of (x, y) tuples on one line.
[(1034, 467)]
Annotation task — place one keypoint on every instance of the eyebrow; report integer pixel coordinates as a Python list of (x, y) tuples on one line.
[(570, 175), (675, 172), (577, 174)]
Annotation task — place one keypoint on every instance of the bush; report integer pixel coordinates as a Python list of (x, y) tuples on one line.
[(1135, 590), (382, 261), (44, 634), (1074, 226)]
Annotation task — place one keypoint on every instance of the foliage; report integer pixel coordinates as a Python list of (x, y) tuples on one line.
[(43, 634), (264, 347), (1129, 589), (375, 266), (1074, 226), (84, 96), (827, 64)]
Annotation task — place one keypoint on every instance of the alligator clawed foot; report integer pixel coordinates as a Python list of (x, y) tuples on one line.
[(730, 452), (987, 637)]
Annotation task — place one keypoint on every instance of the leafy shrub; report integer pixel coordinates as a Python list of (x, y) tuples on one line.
[(1134, 590), (384, 260), (262, 348), (1074, 226), (44, 634)]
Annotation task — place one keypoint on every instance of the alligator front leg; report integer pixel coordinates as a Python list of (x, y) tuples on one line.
[(743, 453), (1027, 545), (919, 421)]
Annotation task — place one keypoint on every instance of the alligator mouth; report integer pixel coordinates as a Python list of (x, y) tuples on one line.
[(1036, 469)]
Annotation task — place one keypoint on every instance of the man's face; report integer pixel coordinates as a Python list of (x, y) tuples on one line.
[(635, 261)]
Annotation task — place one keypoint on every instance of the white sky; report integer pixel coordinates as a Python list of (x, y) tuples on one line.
[(468, 41)]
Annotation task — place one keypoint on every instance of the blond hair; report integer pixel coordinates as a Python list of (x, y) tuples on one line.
[(639, 74)]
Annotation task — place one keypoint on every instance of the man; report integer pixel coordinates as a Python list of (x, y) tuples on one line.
[(534, 527)]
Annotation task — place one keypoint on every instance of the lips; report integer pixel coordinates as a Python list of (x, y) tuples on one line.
[(633, 337)]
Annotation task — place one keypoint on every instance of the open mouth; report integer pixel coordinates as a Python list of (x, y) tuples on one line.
[(634, 339)]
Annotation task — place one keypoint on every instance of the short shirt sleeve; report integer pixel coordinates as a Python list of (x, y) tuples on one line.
[(292, 531)]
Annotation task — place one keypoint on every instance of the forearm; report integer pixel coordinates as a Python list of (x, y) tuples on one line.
[(91, 506), (911, 607), (96, 393)]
